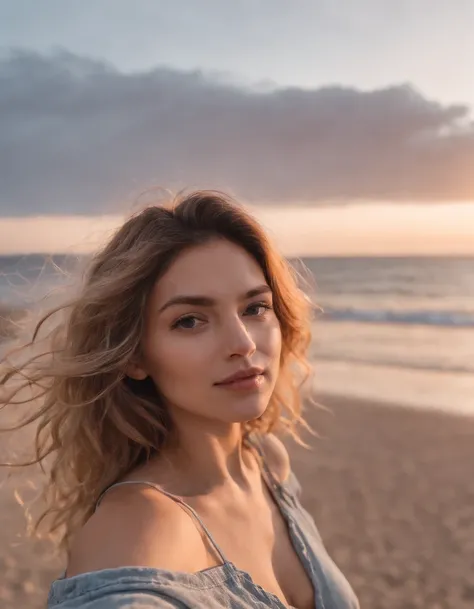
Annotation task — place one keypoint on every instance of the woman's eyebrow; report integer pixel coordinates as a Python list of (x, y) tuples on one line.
[(205, 301)]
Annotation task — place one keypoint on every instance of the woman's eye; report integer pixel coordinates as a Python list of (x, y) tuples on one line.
[(187, 323), (190, 322), (259, 308)]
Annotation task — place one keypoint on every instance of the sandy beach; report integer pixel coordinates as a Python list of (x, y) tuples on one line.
[(392, 492)]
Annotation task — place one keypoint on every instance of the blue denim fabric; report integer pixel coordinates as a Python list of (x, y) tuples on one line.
[(219, 587)]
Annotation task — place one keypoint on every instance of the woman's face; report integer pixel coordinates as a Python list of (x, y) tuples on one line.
[(209, 317)]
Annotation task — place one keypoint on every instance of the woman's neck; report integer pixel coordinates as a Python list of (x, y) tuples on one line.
[(205, 455)]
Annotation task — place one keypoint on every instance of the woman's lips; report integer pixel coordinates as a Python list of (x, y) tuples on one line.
[(251, 382)]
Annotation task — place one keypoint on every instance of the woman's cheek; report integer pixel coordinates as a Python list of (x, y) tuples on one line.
[(274, 338)]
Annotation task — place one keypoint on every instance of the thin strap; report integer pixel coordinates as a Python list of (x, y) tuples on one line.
[(179, 501)]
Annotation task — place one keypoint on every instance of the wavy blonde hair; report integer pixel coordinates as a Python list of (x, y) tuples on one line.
[(93, 423)]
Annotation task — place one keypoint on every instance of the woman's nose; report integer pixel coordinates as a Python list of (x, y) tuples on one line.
[(238, 339)]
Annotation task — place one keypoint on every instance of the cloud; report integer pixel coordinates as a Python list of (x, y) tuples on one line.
[(78, 136)]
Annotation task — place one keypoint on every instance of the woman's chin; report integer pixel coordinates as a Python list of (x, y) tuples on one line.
[(248, 410)]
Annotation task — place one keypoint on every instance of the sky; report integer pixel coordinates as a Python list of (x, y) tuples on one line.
[(347, 127)]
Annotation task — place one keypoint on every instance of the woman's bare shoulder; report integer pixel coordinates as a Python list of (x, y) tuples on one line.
[(138, 526), (276, 456)]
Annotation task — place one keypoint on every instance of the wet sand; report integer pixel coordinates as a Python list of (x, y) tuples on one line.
[(391, 489)]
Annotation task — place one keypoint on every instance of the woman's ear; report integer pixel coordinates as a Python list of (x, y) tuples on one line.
[(135, 371)]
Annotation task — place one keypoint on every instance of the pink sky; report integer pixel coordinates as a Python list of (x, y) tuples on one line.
[(359, 229)]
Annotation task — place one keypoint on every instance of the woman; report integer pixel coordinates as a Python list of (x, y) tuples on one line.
[(180, 357)]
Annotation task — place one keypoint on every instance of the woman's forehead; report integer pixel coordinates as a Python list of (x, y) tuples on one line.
[(209, 270)]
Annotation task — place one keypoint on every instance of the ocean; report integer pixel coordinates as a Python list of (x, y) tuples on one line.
[(394, 330)]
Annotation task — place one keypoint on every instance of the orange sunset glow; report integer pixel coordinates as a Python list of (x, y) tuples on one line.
[(375, 229)]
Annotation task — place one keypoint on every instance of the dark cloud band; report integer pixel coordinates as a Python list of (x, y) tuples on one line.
[(76, 136)]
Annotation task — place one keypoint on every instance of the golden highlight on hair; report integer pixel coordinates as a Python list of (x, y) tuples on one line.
[(92, 424)]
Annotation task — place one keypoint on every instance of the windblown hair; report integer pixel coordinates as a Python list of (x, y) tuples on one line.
[(93, 424)]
